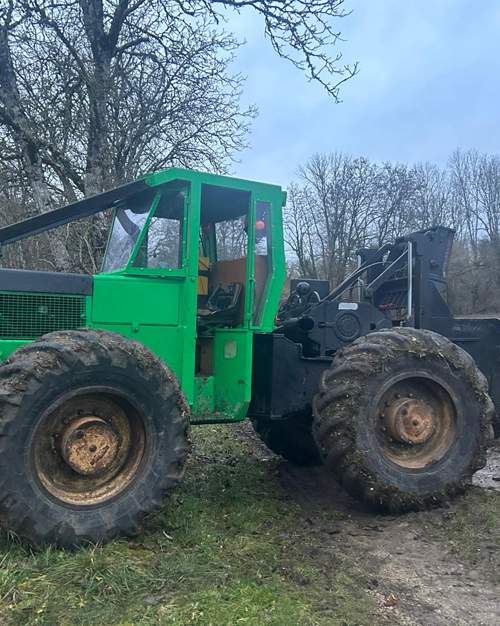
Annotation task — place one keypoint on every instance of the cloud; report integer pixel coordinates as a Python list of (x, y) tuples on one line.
[(428, 84)]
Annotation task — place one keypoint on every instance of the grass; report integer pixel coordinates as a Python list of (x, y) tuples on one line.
[(230, 549), (471, 529)]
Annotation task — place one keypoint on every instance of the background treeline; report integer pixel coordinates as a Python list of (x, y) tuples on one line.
[(341, 203)]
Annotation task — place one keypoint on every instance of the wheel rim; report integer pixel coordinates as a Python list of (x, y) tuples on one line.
[(416, 420), (88, 447)]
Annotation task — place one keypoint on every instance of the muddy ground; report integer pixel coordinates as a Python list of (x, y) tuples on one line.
[(417, 580)]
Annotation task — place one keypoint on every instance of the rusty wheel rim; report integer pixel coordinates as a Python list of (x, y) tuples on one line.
[(89, 446), (416, 420)]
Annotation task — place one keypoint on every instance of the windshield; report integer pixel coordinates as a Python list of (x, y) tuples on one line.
[(127, 227), (161, 247)]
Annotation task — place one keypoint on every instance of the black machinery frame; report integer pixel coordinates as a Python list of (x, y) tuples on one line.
[(398, 284)]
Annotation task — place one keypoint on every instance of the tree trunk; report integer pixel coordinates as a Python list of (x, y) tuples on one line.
[(19, 126)]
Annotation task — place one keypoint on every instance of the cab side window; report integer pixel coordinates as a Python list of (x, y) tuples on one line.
[(162, 245)]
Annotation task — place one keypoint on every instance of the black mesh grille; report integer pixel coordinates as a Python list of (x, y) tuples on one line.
[(29, 315)]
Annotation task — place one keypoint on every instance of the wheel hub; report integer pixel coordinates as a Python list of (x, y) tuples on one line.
[(89, 445), (410, 420)]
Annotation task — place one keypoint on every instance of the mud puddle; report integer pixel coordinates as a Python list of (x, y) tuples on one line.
[(489, 476)]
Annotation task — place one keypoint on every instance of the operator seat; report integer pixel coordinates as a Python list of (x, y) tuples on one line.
[(222, 307)]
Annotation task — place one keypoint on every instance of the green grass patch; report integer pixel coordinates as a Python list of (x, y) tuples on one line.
[(229, 549), (334, 516), (471, 529)]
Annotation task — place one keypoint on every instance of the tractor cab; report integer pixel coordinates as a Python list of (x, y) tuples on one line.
[(194, 265)]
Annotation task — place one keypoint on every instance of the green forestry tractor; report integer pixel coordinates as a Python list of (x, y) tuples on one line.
[(102, 375)]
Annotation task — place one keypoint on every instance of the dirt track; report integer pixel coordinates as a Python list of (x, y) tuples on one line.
[(430, 584)]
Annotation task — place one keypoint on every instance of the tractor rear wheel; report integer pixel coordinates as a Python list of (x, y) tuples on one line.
[(94, 431), (290, 438), (403, 419)]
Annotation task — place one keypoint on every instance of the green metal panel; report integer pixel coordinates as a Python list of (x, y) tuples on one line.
[(166, 342), (189, 301), (232, 371), (225, 396), (8, 346), (137, 300)]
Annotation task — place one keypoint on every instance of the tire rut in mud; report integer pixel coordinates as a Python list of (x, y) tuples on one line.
[(432, 586)]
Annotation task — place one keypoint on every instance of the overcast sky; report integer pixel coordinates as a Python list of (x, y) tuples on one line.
[(429, 82)]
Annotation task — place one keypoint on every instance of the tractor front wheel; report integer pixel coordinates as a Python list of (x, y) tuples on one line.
[(403, 419), (94, 431)]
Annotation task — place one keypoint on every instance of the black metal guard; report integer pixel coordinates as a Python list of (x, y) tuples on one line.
[(70, 213)]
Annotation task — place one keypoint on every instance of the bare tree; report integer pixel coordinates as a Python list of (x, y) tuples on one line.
[(433, 205), (475, 185), (299, 237), (136, 89), (94, 92), (464, 176), (301, 31), (395, 210), (329, 214), (110, 88)]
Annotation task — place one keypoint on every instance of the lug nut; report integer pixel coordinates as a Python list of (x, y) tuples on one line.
[(415, 422), (398, 395), (93, 448), (79, 434)]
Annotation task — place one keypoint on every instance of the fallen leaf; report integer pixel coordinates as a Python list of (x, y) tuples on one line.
[(391, 600)]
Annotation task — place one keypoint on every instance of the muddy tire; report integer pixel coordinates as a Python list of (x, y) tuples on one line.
[(403, 419), (94, 432), (290, 438)]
